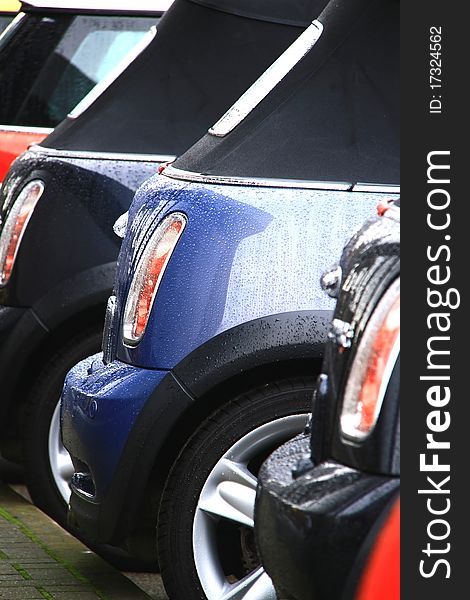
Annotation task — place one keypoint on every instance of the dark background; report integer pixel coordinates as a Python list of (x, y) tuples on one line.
[(421, 133)]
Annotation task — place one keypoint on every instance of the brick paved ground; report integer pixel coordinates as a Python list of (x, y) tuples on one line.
[(39, 560)]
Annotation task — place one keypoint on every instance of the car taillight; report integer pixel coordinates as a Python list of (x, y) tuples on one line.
[(15, 226), (372, 367), (148, 274)]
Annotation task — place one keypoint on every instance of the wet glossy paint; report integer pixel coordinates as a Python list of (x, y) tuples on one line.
[(245, 253), (106, 405)]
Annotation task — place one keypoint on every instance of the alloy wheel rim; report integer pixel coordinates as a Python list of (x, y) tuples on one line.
[(59, 459), (229, 493)]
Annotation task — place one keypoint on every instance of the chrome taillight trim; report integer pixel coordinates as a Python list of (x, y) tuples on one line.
[(129, 315), (5, 235)]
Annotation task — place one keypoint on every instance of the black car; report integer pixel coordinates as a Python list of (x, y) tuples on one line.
[(51, 56), (59, 201), (320, 495)]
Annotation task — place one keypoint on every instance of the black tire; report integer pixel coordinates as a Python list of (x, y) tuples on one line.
[(39, 409), (236, 421)]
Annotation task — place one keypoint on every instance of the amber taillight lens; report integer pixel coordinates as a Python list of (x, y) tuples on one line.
[(372, 367), (148, 275), (15, 226)]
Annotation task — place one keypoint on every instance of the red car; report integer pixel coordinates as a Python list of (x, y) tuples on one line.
[(54, 53), (381, 577)]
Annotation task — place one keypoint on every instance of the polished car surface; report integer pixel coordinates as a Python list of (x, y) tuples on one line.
[(60, 200), (216, 326)]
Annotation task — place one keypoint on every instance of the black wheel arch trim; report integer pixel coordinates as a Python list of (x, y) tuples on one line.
[(291, 336), (25, 336), (263, 341)]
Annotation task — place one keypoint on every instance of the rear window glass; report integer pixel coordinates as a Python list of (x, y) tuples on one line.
[(4, 20), (53, 62)]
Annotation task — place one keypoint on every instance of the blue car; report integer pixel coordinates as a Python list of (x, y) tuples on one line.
[(60, 200), (216, 328)]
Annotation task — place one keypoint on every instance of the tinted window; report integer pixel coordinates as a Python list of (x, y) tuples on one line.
[(4, 20), (53, 62), (197, 65)]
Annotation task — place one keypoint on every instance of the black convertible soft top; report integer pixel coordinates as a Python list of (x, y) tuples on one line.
[(200, 61), (334, 117), (293, 12)]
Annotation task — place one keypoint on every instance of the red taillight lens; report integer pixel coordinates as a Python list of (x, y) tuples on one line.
[(148, 274), (15, 226), (372, 367)]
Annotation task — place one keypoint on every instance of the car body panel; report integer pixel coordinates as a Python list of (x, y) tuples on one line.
[(258, 243), (317, 516), (105, 191), (160, 427), (380, 576), (10, 6), (198, 356), (81, 282), (371, 261), (115, 420)]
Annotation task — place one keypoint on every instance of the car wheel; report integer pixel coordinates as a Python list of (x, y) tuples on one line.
[(206, 543), (47, 464)]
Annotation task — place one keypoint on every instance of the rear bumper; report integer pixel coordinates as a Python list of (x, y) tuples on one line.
[(310, 529), (115, 419), (100, 404)]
